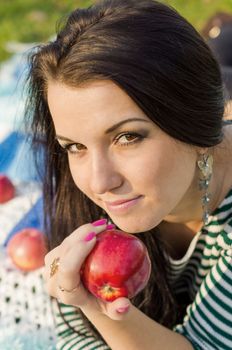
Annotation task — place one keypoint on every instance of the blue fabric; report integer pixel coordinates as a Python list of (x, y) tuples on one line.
[(33, 218), (16, 158), (8, 150)]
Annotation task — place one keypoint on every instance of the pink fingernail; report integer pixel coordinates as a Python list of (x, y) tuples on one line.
[(89, 236), (110, 227), (122, 310), (99, 222)]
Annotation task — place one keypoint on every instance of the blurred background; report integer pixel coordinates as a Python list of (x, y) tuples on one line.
[(26, 21)]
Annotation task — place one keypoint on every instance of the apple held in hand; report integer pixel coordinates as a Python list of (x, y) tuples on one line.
[(27, 249), (118, 266), (7, 189)]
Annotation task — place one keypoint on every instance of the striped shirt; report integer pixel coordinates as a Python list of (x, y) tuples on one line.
[(204, 274), (207, 277)]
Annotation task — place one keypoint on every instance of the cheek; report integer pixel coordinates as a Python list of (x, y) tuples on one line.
[(155, 167), (80, 175), (176, 177), (167, 173)]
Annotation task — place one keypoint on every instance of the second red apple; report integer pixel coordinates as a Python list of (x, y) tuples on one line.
[(7, 189), (27, 249)]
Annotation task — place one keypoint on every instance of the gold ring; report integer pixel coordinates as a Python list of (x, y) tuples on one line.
[(54, 266), (68, 291)]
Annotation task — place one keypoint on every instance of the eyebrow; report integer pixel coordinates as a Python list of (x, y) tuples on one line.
[(116, 126), (112, 128)]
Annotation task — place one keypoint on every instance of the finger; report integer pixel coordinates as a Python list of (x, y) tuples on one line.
[(68, 276), (50, 256), (77, 235), (118, 309), (76, 249), (51, 259), (80, 234)]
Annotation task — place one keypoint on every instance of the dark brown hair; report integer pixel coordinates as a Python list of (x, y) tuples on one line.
[(164, 65)]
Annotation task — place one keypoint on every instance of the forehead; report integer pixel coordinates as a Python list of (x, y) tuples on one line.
[(99, 102), (97, 92)]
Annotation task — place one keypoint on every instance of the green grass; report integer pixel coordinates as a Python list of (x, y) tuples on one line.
[(198, 11), (31, 20), (35, 20)]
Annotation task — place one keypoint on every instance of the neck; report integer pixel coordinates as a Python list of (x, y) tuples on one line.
[(179, 230), (189, 210)]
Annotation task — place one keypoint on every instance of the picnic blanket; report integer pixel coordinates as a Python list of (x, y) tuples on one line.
[(26, 317)]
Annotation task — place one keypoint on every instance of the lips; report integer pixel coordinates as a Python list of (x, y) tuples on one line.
[(118, 202), (123, 204)]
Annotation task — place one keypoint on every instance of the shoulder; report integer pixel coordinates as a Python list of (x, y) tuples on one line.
[(222, 226), (219, 230), (225, 238), (224, 216)]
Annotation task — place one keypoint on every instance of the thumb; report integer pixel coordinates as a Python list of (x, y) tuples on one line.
[(118, 308)]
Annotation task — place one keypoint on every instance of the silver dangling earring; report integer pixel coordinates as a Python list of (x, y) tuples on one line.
[(205, 164)]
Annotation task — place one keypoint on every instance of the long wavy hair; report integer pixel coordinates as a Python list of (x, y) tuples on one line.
[(158, 58)]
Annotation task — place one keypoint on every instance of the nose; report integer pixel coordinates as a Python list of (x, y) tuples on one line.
[(105, 175)]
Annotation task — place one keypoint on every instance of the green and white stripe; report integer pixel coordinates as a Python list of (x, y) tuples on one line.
[(67, 339)]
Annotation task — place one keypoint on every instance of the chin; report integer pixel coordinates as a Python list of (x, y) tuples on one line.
[(135, 226)]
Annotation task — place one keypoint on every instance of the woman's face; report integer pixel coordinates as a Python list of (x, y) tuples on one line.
[(119, 158)]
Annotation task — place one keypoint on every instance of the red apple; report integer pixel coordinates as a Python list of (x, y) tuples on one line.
[(7, 189), (118, 266), (27, 249)]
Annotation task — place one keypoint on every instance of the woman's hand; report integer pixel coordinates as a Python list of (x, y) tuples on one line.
[(62, 272)]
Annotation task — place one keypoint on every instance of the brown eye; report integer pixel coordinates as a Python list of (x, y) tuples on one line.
[(127, 139), (74, 148)]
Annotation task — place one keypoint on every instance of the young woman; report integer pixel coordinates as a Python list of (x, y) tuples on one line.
[(128, 103)]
